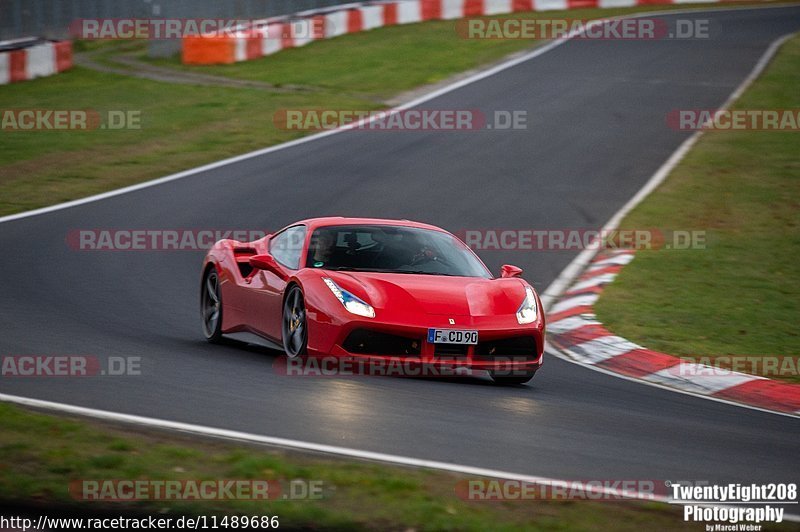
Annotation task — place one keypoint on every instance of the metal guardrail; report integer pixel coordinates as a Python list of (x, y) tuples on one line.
[(18, 44), (52, 18)]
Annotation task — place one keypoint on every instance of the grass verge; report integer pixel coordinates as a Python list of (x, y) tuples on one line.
[(184, 126), (40, 455), (739, 296)]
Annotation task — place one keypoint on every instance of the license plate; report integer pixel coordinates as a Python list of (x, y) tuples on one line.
[(452, 336)]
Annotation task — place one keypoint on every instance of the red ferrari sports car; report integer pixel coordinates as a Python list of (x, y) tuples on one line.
[(379, 289)]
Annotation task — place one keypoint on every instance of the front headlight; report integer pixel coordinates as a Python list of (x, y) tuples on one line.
[(527, 311), (353, 304)]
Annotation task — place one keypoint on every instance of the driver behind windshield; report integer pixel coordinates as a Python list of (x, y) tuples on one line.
[(392, 249), (323, 244)]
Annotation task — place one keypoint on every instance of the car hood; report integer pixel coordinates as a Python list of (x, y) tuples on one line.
[(435, 294)]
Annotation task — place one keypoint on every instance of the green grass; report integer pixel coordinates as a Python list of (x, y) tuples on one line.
[(184, 126), (41, 454), (740, 295)]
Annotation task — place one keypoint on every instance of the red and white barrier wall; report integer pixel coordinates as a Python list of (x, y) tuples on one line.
[(39, 60), (292, 31)]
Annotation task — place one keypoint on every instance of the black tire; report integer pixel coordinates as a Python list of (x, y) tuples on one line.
[(510, 378), (211, 306), (294, 329)]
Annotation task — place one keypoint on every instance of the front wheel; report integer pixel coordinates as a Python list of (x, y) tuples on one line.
[(512, 377), (295, 332), (211, 306)]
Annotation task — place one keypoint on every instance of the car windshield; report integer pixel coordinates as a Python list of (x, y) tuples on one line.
[(392, 249)]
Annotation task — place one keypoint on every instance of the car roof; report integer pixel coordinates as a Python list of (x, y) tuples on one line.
[(314, 223)]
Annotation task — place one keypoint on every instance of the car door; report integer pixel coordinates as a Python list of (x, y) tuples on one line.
[(287, 248)]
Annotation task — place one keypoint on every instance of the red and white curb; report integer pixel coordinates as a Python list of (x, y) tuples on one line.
[(573, 329), (39, 60)]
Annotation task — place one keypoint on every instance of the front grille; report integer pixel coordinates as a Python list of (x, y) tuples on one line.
[(367, 342), (517, 349), (450, 350)]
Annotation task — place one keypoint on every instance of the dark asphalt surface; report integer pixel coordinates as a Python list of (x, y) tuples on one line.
[(596, 133)]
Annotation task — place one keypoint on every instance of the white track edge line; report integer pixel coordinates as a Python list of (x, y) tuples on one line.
[(582, 261), (554, 351), (539, 50), (327, 449)]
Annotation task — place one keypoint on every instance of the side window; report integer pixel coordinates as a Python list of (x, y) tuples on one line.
[(288, 246)]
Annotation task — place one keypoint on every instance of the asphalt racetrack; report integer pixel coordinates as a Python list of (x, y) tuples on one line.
[(596, 133)]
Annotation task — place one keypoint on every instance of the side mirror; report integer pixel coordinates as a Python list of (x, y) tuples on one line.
[(510, 271), (268, 263)]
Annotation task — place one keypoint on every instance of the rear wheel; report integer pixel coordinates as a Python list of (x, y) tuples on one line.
[(294, 329), (211, 306), (512, 376)]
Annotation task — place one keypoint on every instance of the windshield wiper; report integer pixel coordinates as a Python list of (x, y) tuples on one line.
[(354, 269), (420, 272)]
